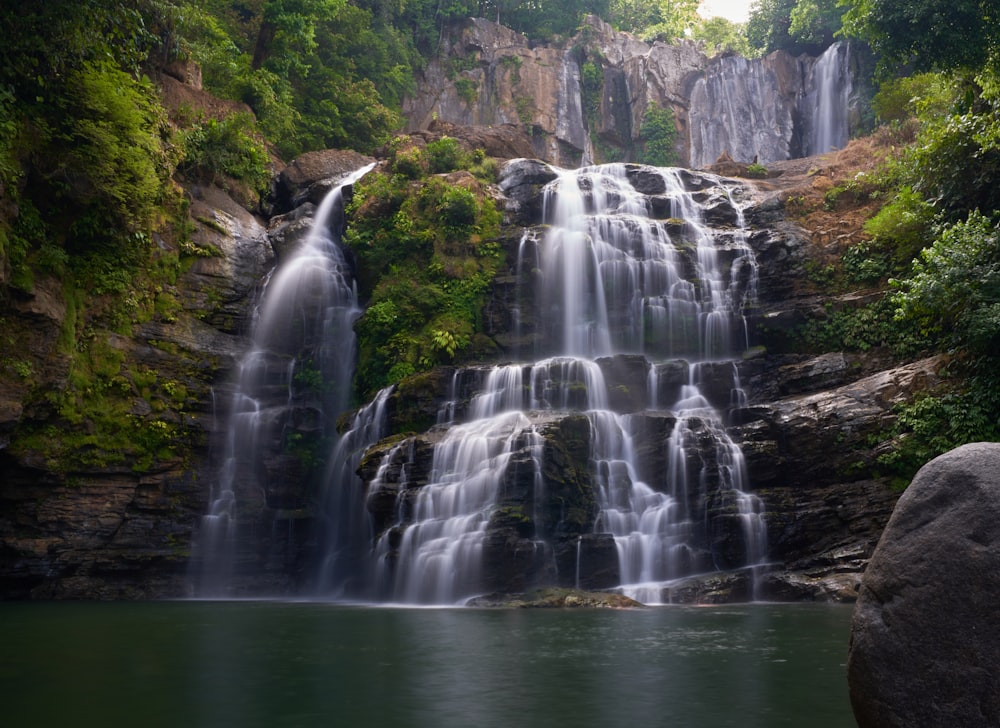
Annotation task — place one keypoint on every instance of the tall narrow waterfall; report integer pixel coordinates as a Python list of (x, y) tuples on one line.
[(826, 104), (637, 270), (302, 334), (770, 109)]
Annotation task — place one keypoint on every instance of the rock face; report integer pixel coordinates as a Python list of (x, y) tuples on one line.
[(117, 530), (755, 110), (925, 640), (726, 113)]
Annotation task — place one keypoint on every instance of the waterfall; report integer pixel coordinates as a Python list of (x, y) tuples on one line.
[(743, 107), (296, 373), (770, 109), (647, 263), (826, 103), (345, 538)]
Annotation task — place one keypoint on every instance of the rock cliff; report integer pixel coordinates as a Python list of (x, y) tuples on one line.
[(125, 530), (585, 99)]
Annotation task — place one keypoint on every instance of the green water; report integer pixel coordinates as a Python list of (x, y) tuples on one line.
[(192, 664)]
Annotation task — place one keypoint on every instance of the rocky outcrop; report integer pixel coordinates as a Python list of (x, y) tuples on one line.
[(727, 114), (925, 638), (101, 525), (309, 177), (809, 457), (490, 75)]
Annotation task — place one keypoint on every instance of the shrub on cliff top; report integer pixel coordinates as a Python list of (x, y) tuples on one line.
[(425, 258)]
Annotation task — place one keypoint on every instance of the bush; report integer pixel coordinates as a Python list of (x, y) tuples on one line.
[(409, 163), (425, 260), (231, 147), (658, 135), (954, 293), (903, 225), (445, 155), (108, 153), (955, 164), (926, 95), (936, 423)]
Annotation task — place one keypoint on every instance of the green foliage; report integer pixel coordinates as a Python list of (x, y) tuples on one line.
[(105, 152), (231, 147), (862, 329), (903, 224), (316, 73), (722, 36), (865, 263), (925, 95), (796, 26), (756, 170), (955, 163), (468, 90), (309, 448), (425, 263), (658, 135), (954, 292), (444, 155), (409, 162), (660, 19), (927, 35), (539, 19), (43, 42), (592, 85), (938, 422), (93, 424)]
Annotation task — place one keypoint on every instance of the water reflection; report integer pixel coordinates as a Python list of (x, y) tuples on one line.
[(269, 664)]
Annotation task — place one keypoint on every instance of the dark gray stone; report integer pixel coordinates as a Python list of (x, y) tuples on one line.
[(925, 640)]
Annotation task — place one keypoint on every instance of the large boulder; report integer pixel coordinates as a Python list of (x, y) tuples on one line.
[(925, 640)]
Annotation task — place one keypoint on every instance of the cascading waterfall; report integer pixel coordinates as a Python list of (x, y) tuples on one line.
[(302, 330), (827, 102), (770, 109), (643, 295), (346, 538), (618, 271)]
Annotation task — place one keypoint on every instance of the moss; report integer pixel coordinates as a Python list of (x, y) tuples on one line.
[(426, 256)]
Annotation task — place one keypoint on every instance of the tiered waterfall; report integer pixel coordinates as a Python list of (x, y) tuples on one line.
[(633, 306)]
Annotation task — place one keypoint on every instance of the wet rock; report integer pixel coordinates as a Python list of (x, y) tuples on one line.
[(723, 587), (309, 176), (554, 598), (521, 181), (234, 255), (823, 372), (925, 638)]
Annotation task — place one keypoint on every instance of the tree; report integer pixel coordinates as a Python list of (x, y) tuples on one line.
[(928, 34), (663, 19), (796, 26), (955, 288), (43, 41), (721, 35)]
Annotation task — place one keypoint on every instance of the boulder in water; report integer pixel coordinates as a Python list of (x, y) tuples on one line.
[(925, 640)]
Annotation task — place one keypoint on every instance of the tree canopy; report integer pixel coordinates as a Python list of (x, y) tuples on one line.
[(928, 34), (796, 26)]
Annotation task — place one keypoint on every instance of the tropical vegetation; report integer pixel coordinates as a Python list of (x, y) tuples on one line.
[(89, 163)]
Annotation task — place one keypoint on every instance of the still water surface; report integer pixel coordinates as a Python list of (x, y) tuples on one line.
[(188, 664)]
